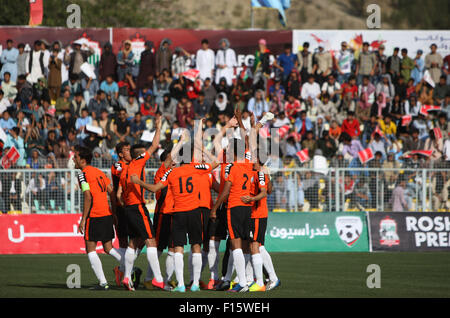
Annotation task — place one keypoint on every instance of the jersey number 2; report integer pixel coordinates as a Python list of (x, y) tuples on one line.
[(244, 186)]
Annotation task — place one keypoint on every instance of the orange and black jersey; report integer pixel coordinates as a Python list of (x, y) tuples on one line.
[(205, 182), (96, 182), (116, 170), (164, 197), (134, 193), (184, 183), (259, 209), (241, 177)]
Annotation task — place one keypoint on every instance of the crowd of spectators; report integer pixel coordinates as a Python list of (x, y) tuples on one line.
[(335, 104)]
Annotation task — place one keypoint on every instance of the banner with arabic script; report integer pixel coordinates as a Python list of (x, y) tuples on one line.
[(412, 40), (317, 232), (42, 234)]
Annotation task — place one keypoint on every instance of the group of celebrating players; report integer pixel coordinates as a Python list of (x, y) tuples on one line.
[(184, 208)]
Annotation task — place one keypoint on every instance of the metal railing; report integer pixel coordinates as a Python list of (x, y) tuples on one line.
[(44, 191)]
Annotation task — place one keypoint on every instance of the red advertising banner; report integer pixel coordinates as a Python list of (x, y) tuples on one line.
[(42, 234), (244, 42), (66, 36)]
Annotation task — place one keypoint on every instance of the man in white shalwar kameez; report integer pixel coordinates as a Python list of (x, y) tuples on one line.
[(205, 60), (35, 67), (225, 62)]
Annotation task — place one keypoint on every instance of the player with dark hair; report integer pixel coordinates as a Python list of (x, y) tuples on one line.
[(123, 151), (140, 228), (162, 218), (187, 219), (97, 221)]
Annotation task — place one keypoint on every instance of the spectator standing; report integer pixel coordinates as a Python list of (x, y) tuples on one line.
[(434, 63), (77, 57), (35, 63), (205, 60), (324, 64), (125, 61), (381, 63), (108, 62), (419, 66), (305, 62), (22, 60), (9, 61), (261, 66), (286, 62), (407, 65), (54, 76), (366, 64), (398, 201), (164, 56), (147, 65), (343, 63), (393, 65), (225, 62)]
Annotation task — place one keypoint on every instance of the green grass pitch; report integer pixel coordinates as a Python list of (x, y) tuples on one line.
[(302, 275)]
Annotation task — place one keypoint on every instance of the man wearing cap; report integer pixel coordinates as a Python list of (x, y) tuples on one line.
[(323, 66), (261, 65), (343, 60), (434, 63), (77, 57), (419, 65), (366, 65)]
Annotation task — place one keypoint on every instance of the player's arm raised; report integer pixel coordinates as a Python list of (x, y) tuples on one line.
[(155, 142), (218, 138), (176, 149), (213, 161)]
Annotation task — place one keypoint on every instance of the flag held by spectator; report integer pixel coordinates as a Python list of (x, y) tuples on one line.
[(425, 153), (426, 108), (303, 155), (283, 130), (427, 78), (36, 12), (297, 136), (191, 75), (264, 132), (280, 5), (406, 120), (377, 131), (366, 155), (10, 158), (437, 133)]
